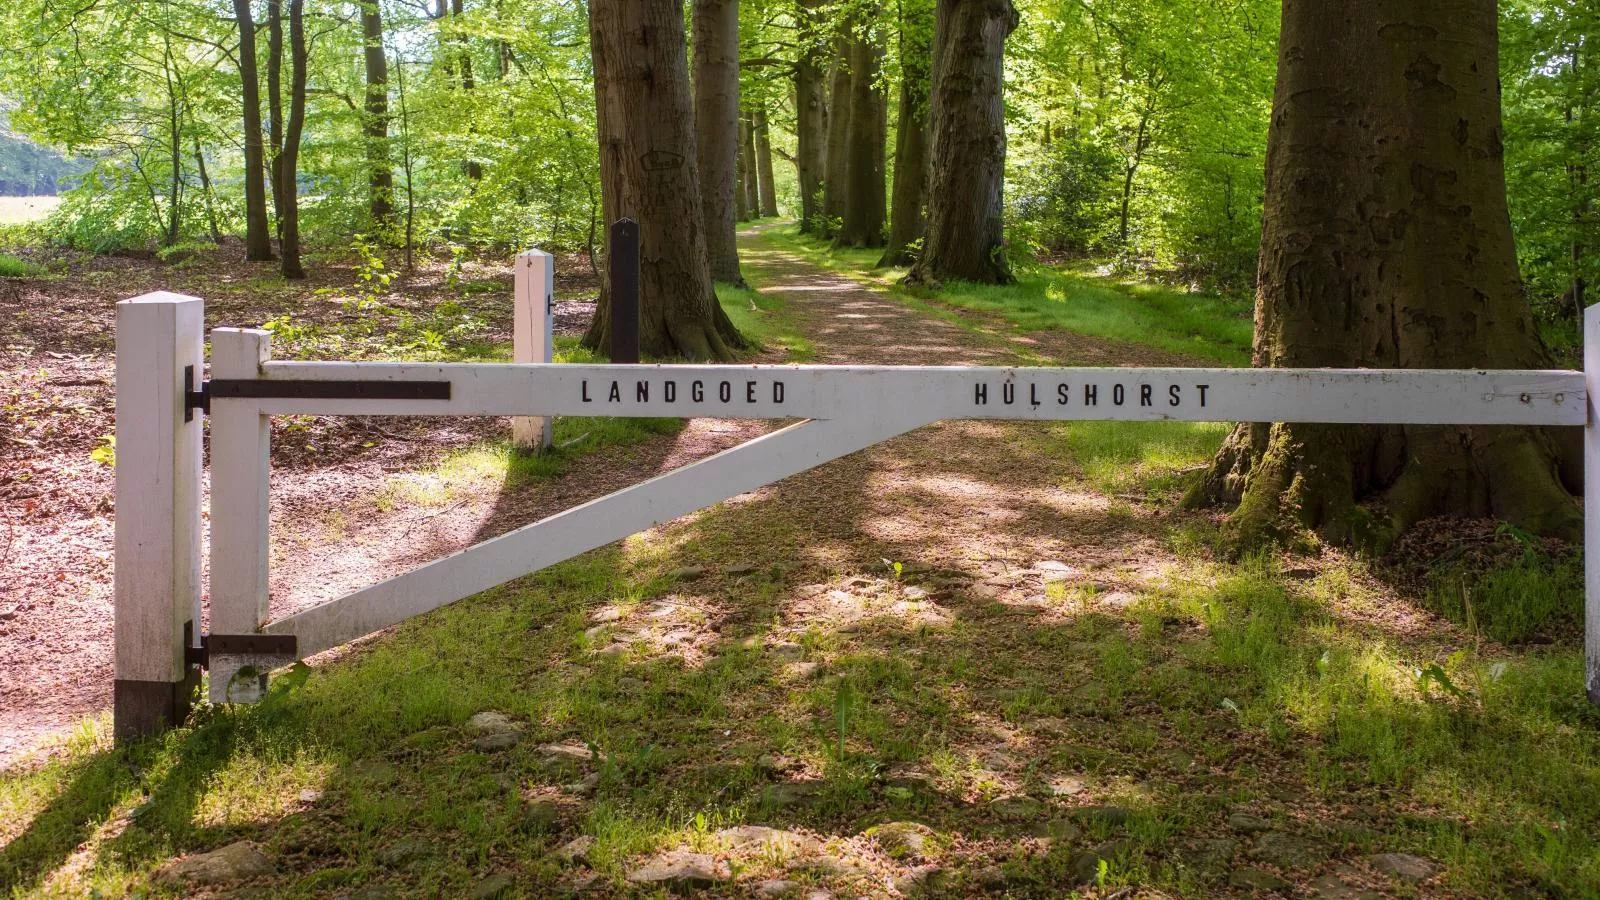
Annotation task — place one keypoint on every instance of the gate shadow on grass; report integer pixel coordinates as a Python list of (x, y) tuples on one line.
[(939, 716)]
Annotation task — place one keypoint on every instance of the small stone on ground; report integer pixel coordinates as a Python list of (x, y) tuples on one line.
[(677, 870), (1256, 880), (235, 862), (1404, 866)]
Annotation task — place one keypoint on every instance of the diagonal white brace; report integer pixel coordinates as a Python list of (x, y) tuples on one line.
[(746, 467)]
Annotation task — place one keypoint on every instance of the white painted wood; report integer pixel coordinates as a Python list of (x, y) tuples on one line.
[(1591, 505), (1410, 396), (240, 445), (749, 466), (157, 553), (533, 340)]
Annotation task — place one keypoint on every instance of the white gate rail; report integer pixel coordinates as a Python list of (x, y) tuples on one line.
[(843, 409)]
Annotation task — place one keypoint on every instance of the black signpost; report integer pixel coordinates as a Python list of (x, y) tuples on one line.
[(624, 266)]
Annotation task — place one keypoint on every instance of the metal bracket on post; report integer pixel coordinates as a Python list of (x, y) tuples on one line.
[(623, 264)]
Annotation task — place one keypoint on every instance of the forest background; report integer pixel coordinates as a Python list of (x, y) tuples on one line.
[(1136, 132)]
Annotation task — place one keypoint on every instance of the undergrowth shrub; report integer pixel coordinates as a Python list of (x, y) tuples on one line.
[(11, 267)]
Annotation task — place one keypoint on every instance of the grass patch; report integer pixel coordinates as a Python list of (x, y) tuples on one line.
[(498, 466), (1510, 604), (1148, 457), (12, 267), (762, 319), (1071, 299)]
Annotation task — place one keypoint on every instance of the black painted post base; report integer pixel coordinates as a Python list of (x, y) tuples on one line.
[(140, 709)]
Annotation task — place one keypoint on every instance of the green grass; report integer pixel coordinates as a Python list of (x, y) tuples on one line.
[(1500, 774), (1148, 457), (1513, 603), (11, 267), (1202, 325), (762, 319)]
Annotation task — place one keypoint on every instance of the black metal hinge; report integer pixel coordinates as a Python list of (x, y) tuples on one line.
[(198, 396), (286, 645), (195, 395)]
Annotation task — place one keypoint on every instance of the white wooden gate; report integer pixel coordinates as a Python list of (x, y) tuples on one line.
[(836, 410)]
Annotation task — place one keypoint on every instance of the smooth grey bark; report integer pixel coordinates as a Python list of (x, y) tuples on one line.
[(716, 117), (751, 171), (965, 231), (258, 239), (767, 189), (375, 118), (811, 113), (863, 219), (287, 163), (1387, 243), (906, 205), (648, 172), (837, 153)]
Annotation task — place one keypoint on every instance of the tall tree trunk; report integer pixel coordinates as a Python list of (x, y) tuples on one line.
[(648, 173), (275, 107), (1386, 243), (289, 155), (769, 190), (175, 146), (862, 225), (258, 241), (206, 192), (716, 120), (906, 218), (741, 175), (837, 163), (965, 226), (811, 114), (471, 166), (751, 183), (375, 119)]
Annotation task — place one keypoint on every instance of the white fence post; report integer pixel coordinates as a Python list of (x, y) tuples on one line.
[(240, 444), (1591, 505), (533, 293), (160, 340)]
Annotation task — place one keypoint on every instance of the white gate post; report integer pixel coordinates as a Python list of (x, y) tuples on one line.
[(533, 293), (1591, 505), (240, 444), (160, 339)]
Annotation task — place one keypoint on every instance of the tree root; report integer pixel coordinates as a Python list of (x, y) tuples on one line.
[(1362, 486)]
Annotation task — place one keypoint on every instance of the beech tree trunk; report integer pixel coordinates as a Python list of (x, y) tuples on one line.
[(375, 118), (811, 115), (470, 166), (275, 106), (965, 234), (838, 150), (741, 177), (288, 160), (258, 239), (768, 190), (906, 219), (751, 179), (716, 117), (862, 224), (1387, 243), (645, 125)]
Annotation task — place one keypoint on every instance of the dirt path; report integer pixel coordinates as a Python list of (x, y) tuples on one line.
[(942, 490)]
